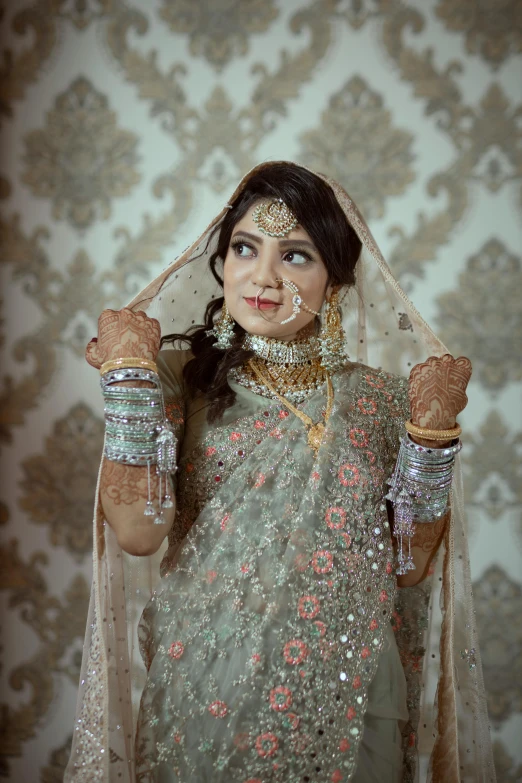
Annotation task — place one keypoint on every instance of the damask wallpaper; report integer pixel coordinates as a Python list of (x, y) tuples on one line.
[(124, 125)]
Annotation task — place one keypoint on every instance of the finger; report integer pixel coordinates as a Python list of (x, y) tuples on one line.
[(92, 354)]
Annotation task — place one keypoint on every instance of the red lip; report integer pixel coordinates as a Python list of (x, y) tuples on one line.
[(263, 303)]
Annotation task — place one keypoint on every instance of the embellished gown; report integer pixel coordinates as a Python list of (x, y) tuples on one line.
[(269, 645)]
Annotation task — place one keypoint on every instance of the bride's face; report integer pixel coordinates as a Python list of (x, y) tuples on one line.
[(253, 264)]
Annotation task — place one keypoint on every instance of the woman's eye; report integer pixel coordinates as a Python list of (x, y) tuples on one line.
[(298, 259), (243, 250)]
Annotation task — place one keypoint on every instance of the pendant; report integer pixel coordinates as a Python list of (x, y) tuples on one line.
[(315, 436)]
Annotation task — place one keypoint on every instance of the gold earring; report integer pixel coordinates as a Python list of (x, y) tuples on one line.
[(223, 329), (332, 337)]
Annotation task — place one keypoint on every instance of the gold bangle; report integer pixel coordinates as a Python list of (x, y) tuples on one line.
[(128, 364), (423, 432)]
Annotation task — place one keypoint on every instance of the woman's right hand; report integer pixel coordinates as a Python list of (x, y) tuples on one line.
[(123, 334)]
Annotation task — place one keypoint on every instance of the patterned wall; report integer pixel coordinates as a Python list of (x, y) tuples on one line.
[(124, 125)]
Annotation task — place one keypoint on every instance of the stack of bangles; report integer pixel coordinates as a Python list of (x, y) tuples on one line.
[(137, 429), (421, 484)]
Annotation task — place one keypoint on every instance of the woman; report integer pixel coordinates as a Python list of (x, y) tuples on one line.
[(276, 642)]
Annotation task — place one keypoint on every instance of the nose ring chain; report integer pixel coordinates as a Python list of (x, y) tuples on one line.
[(297, 301)]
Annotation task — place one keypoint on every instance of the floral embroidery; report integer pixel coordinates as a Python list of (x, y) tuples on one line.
[(358, 437), (322, 561), (267, 744), (218, 709), (383, 596), (337, 776), (365, 652), (210, 451), (280, 698), (211, 575), (283, 414), (348, 475), (344, 745), (374, 625), (176, 650), (319, 628), (335, 517), (259, 425), (301, 562), (260, 480), (295, 651), (378, 383), (255, 658), (309, 607), (291, 721), (235, 436), (242, 740), (350, 713), (174, 411), (245, 568), (396, 621), (224, 522), (345, 539), (357, 682), (367, 406)]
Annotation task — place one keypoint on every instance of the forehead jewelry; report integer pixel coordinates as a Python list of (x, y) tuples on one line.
[(274, 218), (297, 301)]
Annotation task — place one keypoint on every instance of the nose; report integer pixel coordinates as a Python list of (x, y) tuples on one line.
[(265, 269)]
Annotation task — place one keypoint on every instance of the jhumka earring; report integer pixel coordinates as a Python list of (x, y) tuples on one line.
[(332, 336), (223, 329)]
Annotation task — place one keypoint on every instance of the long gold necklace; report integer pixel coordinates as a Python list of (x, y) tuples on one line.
[(315, 431)]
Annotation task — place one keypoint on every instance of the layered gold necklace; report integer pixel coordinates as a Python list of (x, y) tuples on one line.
[(293, 369), (288, 372)]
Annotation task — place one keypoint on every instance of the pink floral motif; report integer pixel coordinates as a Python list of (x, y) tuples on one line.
[(344, 745), (396, 621), (351, 713), (358, 437), (412, 739), (254, 780), (365, 652), (259, 425), (283, 414), (224, 522), (335, 517), (260, 480), (378, 383), (177, 737), (301, 562), (218, 709), (276, 433), (348, 475), (210, 451), (176, 650), (320, 628), (255, 658), (371, 457), (280, 698), (322, 561), (211, 575), (389, 568), (315, 476), (374, 625), (291, 721), (337, 776), (383, 596), (235, 436), (242, 740), (357, 682), (346, 540), (308, 607), (267, 744), (245, 568), (295, 651), (367, 406)]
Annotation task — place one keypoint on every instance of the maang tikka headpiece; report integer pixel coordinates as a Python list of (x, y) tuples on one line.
[(274, 218)]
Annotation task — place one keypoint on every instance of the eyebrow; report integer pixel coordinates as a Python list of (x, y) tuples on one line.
[(283, 243)]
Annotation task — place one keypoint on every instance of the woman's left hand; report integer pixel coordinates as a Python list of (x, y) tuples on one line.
[(437, 391)]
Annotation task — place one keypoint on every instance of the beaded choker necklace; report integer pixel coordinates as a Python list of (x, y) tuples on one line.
[(293, 369)]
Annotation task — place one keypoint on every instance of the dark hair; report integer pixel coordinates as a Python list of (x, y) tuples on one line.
[(318, 211)]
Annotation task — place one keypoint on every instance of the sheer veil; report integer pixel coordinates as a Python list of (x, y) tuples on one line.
[(446, 692)]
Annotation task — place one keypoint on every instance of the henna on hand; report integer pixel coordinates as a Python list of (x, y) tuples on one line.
[(124, 333), (127, 484), (428, 535), (437, 391)]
